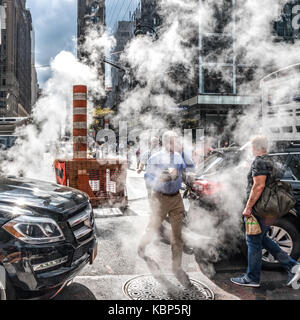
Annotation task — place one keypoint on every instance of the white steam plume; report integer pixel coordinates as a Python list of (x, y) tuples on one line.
[(52, 114)]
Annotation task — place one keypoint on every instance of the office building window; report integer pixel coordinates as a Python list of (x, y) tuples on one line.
[(223, 10), (218, 79), (244, 76), (217, 48)]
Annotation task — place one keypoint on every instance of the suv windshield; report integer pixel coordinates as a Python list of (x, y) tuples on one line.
[(212, 163), (293, 170), (220, 160)]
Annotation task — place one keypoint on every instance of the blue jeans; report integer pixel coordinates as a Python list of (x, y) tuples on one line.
[(256, 244)]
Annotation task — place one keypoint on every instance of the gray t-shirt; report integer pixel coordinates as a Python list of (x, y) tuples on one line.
[(261, 166)]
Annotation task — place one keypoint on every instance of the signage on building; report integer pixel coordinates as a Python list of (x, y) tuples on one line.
[(289, 24), (292, 13), (296, 17)]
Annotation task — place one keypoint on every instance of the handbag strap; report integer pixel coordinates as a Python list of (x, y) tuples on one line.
[(275, 175)]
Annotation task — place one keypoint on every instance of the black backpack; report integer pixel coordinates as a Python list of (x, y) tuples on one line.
[(276, 200)]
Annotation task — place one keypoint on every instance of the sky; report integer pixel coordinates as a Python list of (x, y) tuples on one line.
[(55, 25)]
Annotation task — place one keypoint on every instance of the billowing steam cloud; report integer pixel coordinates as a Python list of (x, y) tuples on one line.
[(38, 144), (256, 45), (154, 62)]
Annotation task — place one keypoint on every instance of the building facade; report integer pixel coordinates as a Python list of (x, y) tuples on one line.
[(121, 22), (223, 82), (123, 34), (125, 22), (287, 28), (281, 88), (124, 10), (16, 56), (281, 104), (34, 79), (91, 13), (222, 76), (148, 16)]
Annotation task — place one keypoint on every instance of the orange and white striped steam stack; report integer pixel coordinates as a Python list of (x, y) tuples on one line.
[(79, 122)]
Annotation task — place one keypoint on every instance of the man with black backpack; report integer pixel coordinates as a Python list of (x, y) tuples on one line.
[(267, 196)]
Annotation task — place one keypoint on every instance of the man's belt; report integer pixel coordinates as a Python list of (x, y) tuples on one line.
[(166, 194)]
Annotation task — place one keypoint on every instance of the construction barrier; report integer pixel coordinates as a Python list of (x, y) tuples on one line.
[(104, 180)]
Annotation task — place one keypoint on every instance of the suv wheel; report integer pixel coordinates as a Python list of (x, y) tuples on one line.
[(286, 235)]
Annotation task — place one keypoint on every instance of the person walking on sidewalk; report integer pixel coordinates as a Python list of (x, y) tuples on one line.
[(100, 149), (164, 174), (153, 148), (260, 175)]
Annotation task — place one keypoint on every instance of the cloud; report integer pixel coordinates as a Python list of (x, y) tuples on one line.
[(55, 24)]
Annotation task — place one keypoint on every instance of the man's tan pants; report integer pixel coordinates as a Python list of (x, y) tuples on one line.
[(162, 206)]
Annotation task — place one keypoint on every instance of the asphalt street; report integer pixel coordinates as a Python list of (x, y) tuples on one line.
[(117, 260)]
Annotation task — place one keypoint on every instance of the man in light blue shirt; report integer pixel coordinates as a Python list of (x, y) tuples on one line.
[(164, 174)]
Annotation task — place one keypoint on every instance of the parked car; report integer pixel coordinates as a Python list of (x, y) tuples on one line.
[(204, 188), (47, 235), (6, 142)]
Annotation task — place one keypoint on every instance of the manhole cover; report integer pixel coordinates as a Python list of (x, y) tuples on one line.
[(166, 287)]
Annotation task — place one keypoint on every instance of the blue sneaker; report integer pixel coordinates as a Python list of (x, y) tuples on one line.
[(290, 279), (293, 275), (244, 281)]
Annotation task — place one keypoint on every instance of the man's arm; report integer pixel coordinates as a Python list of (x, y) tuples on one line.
[(143, 161), (188, 162), (140, 168), (151, 171), (256, 191)]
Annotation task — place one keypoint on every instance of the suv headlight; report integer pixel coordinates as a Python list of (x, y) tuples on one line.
[(34, 230)]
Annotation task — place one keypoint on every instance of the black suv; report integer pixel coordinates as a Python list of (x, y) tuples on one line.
[(47, 235)]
